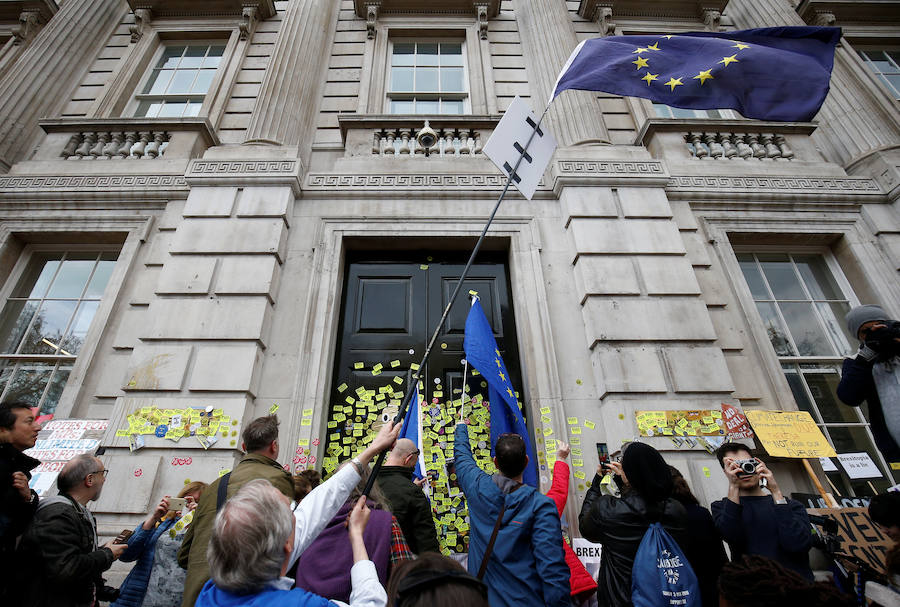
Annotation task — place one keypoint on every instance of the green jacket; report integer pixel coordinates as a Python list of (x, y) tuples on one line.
[(410, 507), (192, 555)]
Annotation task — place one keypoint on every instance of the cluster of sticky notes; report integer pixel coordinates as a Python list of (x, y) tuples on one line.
[(680, 423), (206, 424)]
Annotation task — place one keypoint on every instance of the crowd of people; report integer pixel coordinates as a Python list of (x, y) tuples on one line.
[(259, 536)]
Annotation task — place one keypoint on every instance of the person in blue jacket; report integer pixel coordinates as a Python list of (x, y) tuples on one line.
[(154, 545), (527, 565)]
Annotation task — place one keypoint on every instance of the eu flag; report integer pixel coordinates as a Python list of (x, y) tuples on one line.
[(773, 73), (482, 353)]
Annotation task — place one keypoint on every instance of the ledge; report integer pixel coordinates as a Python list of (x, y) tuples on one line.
[(10, 10), (880, 12), (445, 7), (414, 121), (684, 9), (175, 125), (203, 8), (692, 125)]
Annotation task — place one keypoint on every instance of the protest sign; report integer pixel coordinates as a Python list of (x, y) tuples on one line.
[(860, 537), (789, 434), (736, 425), (814, 500), (859, 465), (58, 442)]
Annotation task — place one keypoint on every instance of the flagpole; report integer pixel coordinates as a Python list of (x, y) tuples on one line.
[(437, 330)]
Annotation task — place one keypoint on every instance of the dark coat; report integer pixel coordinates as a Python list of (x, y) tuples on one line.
[(57, 562), (856, 386), (410, 507), (619, 523), (15, 513), (705, 553)]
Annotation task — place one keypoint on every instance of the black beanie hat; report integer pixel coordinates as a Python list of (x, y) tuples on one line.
[(647, 472)]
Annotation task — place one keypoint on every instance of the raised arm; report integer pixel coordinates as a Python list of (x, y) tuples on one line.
[(559, 488)]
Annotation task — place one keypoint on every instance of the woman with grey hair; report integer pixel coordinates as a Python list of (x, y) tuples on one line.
[(251, 547)]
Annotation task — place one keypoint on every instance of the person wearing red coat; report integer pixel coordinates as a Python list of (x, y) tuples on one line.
[(581, 583)]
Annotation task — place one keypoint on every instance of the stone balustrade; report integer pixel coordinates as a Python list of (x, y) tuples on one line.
[(722, 140), (398, 136), (125, 138)]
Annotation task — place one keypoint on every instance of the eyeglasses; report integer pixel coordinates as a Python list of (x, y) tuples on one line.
[(103, 472)]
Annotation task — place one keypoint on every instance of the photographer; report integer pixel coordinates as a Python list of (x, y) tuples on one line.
[(756, 521), (873, 375)]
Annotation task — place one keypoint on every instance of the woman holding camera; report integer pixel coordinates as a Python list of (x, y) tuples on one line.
[(157, 580)]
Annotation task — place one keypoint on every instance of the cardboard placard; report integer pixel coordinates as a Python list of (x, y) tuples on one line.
[(789, 434), (859, 465), (860, 537)]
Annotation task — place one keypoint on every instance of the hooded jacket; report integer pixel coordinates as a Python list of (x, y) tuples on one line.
[(619, 523), (527, 565)]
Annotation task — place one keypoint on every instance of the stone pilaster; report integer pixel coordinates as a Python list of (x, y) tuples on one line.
[(47, 71), (548, 38), (286, 106)]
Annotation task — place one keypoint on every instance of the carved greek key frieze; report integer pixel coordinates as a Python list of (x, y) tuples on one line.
[(405, 181), (611, 167), (240, 167), (91, 182), (824, 184)]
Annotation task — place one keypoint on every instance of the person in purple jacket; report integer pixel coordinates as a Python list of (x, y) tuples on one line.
[(756, 518)]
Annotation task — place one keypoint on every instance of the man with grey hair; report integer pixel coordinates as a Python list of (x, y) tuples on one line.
[(59, 558), (873, 375), (407, 502), (252, 546)]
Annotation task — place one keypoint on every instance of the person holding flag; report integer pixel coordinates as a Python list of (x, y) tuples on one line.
[(514, 538), (405, 498)]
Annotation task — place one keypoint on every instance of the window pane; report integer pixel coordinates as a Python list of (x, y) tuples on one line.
[(80, 325), (171, 56), (823, 381), (50, 324), (54, 391), (451, 107), (17, 316), (850, 439), (204, 79), (774, 329), (150, 109), (402, 107), (101, 276), (427, 79), (37, 276), (427, 107), (781, 276), (159, 82), (753, 276), (679, 112), (214, 56), (662, 110), (833, 314), (193, 108), (452, 79), (71, 278), (451, 53), (173, 109), (182, 81), (193, 57), (401, 78), (795, 381), (817, 277), (805, 329), (404, 54), (6, 370), (28, 382), (893, 81), (427, 54)]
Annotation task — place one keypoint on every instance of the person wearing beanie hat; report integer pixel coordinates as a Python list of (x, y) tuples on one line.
[(873, 375), (619, 523)]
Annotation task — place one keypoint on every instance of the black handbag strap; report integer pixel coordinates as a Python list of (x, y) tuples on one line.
[(490, 545), (222, 491)]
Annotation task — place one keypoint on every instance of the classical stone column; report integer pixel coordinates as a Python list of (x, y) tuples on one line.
[(286, 105), (548, 38), (39, 82)]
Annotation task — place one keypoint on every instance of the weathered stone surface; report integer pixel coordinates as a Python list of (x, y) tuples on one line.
[(606, 275), (586, 202), (209, 318), (265, 202), (210, 202), (697, 369), (666, 275), (748, 377), (186, 275), (154, 367), (246, 275), (644, 202), (626, 236), (231, 237), (646, 319), (628, 369), (139, 475), (226, 368)]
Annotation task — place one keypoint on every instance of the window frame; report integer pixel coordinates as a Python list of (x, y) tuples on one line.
[(390, 95), (867, 47)]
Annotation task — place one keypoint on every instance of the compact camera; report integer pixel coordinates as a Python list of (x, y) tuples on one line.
[(747, 466)]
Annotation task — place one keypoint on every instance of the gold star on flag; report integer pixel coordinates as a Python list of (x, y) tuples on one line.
[(704, 76), (509, 391), (653, 47), (497, 360), (673, 82), (639, 50), (740, 46), (641, 62), (502, 377), (650, 77), (727, 60)]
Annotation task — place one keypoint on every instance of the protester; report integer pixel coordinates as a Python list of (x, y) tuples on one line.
[(405, 498), (434, 580), (884, 510), (757, 520), (157, 580), (619, 523), (251, 548), (581, 584), (260, 442), (58, 561), (755, 581), (324, 568), (18, 503), (304, 482), (873, 375), (705, 551), (525, 565)]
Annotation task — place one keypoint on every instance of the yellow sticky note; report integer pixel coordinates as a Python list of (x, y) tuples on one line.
[(578, 463), (895, 465), (545, 419), (306, 422), (572, 420), (579, 474), (545, 410), (224, 471), (575, 440), (273, 409), (303, 442), (437, 394), (398, 380), (121, 432), (548, 431), (342, 387), (350, 400), (589, 424), (378, 367), (358, 365), (376, 372), (706, 471), (414, 366), (395, 364), (575, 430), (606, 479), (307, 412)]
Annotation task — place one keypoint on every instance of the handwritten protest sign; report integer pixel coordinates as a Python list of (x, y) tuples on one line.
[(736, 425), (859, 465), (789, 434), (58, 442), (860, 537)]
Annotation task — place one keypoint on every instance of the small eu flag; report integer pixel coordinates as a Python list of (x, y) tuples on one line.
[(774, 73), (482, 353)]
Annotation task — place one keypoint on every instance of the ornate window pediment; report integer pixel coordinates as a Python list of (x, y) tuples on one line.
[(247, 11), (708, 12), (481, 9), (23, 18), (842, 12)]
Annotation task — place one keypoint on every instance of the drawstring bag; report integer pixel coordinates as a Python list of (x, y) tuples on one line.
[(661, 575)]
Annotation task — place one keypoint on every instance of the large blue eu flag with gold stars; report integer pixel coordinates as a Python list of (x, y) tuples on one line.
[(482, 354), (774, 73)]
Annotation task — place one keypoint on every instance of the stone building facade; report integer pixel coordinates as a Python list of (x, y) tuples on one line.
[(194, 190)]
